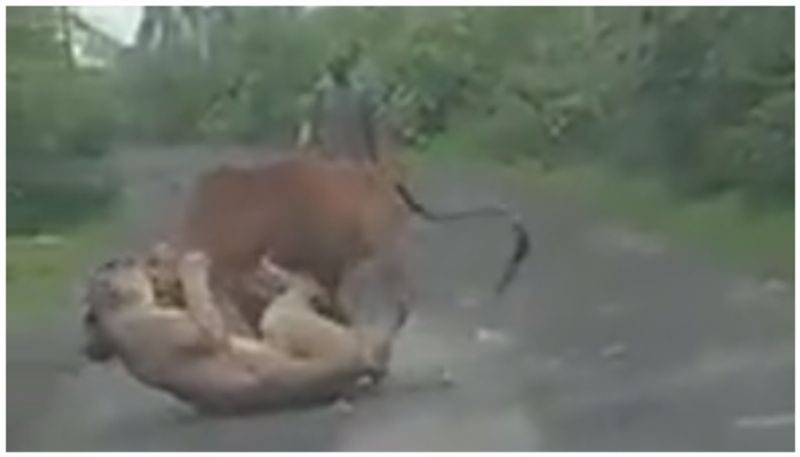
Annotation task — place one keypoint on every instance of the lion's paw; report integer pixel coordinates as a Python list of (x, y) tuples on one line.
[(195, 261)]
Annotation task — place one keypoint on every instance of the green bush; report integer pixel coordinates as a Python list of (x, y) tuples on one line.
[(57, 115)]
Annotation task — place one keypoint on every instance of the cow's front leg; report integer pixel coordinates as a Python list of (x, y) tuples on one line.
[(337, 308), (335, 305)]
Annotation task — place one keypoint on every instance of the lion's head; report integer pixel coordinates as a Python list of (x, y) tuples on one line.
[(111, 288)]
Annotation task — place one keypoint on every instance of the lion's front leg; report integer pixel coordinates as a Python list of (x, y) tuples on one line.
[(200, 305)]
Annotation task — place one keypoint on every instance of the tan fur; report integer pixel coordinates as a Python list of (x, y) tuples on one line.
[(161, 268), (190, 354), (294, 325)]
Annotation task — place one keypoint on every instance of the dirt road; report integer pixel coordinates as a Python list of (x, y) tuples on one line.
[(611, 339)]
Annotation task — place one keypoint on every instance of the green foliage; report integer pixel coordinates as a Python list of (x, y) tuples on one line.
[(720, 225), (699, 97), (706, 77), (699, 102), (38, 275), (57, 116), (41, 206), (702, 97)]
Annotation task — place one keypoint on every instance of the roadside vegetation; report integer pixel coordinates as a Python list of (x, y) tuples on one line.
[(680, 120)]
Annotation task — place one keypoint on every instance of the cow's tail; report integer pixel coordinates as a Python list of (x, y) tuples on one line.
[(521, 243)]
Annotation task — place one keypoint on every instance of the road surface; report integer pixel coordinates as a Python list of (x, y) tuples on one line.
[(611, 339)]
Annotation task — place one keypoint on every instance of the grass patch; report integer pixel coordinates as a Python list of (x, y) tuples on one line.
[(722, 225), (40, 272)]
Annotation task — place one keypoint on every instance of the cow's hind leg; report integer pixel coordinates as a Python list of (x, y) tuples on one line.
[(395, 280), (399, 288)]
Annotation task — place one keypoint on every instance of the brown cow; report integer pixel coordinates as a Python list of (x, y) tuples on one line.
[(311, 216)]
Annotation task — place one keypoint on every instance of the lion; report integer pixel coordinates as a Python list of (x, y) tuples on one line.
[(160, 264), (189, 353), (292, 314)]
